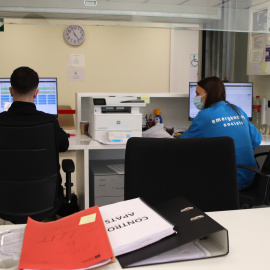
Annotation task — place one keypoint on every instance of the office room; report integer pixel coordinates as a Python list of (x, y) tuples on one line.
[(138, 48)]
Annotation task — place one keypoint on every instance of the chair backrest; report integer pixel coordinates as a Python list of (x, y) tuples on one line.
[(259, 192), (266, 164), (28, 172), (202, 170), (266, 169)]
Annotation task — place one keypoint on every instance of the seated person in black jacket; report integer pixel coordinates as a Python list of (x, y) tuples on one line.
[(24, 84)]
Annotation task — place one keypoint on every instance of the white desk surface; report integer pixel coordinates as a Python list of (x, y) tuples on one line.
[(265, 140), (249, 244), (83, 146), (82, 142)]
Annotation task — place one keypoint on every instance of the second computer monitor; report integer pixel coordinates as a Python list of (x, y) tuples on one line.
[(239, 94), (46, 100)]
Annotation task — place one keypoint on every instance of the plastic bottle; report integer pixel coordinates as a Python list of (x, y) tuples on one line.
[(158, 119), (256, 112)]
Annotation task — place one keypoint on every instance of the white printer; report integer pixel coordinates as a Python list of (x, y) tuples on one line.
[(114, 119)]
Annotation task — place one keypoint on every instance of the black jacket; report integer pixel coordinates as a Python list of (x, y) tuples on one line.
[(26, 112)]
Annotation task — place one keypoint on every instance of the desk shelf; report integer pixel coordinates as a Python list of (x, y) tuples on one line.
[(174, 107)]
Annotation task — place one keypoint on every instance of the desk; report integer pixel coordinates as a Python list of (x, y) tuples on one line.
[(265, 140), (83, 149), (249, 237), (82, 146)]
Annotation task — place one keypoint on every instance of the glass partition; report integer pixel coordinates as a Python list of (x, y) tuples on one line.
[(236, 32)]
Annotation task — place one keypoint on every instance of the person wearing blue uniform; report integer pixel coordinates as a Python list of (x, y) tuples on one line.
[(217, 117)]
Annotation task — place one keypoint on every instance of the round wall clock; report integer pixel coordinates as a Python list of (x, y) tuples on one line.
[(74, 35)]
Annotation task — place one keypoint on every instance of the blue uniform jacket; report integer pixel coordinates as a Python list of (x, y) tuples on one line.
[(221, 120)]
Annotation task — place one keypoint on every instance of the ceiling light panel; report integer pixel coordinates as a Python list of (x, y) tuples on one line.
[(128, 1), (203, 3), (166, 2)]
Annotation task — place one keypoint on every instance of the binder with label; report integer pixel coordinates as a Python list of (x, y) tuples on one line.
[(133, 224), (198, 236)]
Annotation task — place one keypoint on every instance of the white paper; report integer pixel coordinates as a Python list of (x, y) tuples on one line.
[(188, 251), (256, 69), (132, 224), (76, 60), (118, 168), (258, 41), (75, 74), (256, 56), (156, 131)]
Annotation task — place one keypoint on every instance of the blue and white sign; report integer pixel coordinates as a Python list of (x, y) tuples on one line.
[(194, 60)]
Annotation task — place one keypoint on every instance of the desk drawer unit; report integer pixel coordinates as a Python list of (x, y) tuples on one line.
[(105, 185)]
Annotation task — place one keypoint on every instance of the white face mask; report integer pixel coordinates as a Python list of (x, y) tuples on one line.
[(198, 102)]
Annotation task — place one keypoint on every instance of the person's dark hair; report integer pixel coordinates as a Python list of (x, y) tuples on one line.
[(215, 90), (24, 80)]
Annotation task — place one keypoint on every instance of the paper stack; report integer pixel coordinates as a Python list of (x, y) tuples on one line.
[(132, 224)]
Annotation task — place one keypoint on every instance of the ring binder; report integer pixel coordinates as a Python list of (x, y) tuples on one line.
[(187, 209), (197, 217), (205, 232)]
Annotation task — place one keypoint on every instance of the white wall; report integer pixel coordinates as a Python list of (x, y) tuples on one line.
[(184, 44), (118, 59)]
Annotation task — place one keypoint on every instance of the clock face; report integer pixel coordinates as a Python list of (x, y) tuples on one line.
[(74, 35)]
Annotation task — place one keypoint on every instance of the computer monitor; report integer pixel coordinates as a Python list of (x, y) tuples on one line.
[(46, 100), (239, 94)]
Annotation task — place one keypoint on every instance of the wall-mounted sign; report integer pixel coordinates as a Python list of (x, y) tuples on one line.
[(75, 74), (194, 60)]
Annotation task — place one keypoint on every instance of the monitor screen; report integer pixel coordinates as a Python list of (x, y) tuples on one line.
[(46, 100), (239, 94)]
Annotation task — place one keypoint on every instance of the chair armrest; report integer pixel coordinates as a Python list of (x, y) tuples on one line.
[(68, 166), (256, 170), (261, 154)]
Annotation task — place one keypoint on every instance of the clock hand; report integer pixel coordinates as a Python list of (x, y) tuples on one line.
[(75, 34)]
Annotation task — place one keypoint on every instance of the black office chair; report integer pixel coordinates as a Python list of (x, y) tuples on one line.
[(259, 192), (29, 183), (201, 170)]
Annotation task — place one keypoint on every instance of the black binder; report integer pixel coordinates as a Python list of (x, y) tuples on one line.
[(191, 224)]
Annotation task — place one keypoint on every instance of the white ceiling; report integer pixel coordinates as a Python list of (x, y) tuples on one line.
[(120, 4), (162, 11)]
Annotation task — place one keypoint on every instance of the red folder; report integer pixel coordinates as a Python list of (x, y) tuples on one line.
[(78, 241)]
